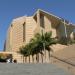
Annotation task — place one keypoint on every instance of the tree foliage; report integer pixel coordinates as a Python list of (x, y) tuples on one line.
[(38, 44)]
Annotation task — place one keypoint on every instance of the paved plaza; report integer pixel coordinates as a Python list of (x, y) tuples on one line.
[(31, 69)]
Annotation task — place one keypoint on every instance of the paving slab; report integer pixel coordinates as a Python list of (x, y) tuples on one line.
[(31, 69)]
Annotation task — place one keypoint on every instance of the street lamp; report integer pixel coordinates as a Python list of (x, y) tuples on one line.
[(44, 50)]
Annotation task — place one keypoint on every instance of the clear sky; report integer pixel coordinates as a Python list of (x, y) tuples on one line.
[(10, 9)]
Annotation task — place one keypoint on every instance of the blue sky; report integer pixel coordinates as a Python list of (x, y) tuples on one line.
[(10, 9)]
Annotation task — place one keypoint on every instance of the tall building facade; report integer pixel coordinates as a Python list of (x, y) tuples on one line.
[(22, 29)]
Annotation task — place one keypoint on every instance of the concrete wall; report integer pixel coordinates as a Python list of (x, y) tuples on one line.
[(60, 30), (8, 42), (47, 24), (30, 28), (17, 34), (69, 31)]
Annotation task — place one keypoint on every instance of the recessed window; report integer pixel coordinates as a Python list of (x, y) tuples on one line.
[(24, 32), (42, 21), (11, 25)]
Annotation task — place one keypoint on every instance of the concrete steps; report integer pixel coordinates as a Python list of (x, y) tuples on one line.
[(31, 69)]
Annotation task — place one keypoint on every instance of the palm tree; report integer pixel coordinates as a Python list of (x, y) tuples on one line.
[(25, 51), (41, 43), (38, 44), (29, 49), (49, 41)]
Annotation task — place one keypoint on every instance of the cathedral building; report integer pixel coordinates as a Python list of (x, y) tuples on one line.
[(22, 29)]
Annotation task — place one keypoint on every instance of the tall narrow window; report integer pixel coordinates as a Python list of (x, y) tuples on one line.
[(42, 21), (23, 31)]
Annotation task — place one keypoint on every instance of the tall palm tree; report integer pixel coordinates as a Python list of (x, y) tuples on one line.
[(38, 44), (49, 41), (24, 52), (42, 42)]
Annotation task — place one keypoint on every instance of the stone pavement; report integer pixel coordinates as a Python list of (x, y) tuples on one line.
[(31, 69)]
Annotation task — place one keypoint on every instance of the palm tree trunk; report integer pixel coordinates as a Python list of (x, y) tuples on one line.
[(33, 58), (23, 59), (49, 55), (37, 57), (42, 57), (29, 58), (45, 55)]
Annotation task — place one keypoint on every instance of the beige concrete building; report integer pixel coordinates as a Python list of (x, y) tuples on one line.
[(22, 29)]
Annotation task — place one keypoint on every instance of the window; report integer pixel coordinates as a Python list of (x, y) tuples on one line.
[(11, 25), (42, 21), (23, 31)]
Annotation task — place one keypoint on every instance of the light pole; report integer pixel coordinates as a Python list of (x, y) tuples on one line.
[(44, 44), (44, 50)]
